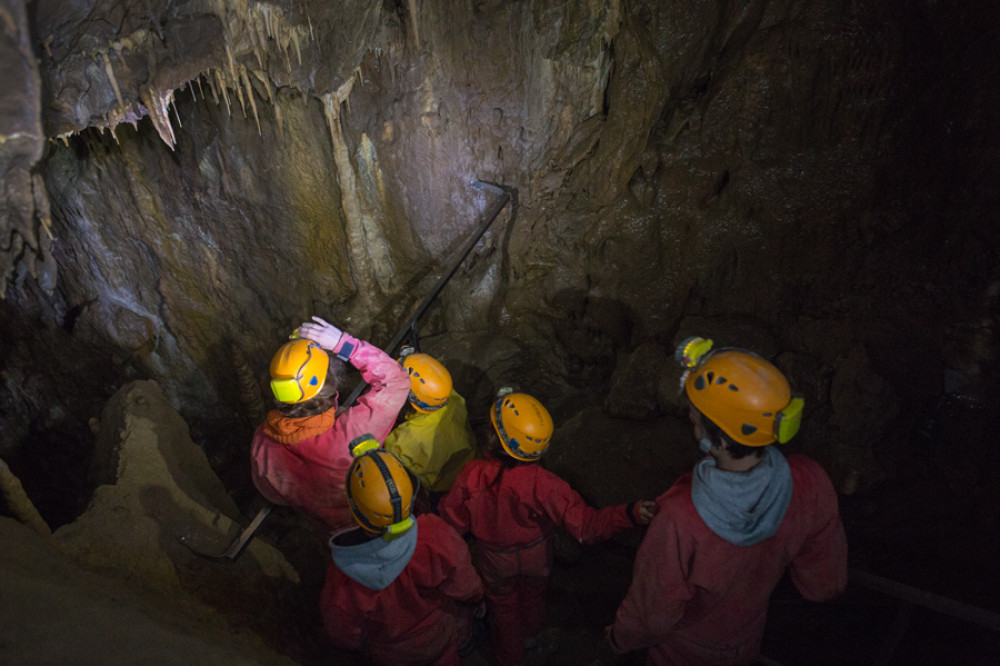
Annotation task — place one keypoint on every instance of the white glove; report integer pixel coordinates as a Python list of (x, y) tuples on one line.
[(322, 332)]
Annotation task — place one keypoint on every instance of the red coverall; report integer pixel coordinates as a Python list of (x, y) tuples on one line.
[(512, 521), (303, 462), (698, 599), (415, 619)]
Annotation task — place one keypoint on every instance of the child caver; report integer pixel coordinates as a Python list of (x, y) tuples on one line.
[(300, 454), (399, 588), (434, 440), (510, 504)]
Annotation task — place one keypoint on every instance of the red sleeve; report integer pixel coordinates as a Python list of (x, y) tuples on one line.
[(454, 507), (450, 568), (341, 618), (565, 507), (819, 569), (660, 587), (376, 409)]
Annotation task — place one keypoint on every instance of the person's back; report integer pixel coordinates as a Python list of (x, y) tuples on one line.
[(301, 452), (710, 596), (506, 507), (433, 440), (724, 535), (399, 588), (510, 503)]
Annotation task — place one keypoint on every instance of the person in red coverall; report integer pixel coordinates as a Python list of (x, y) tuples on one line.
[(724, 535), (400, 589), (509, 503), (300, 454)]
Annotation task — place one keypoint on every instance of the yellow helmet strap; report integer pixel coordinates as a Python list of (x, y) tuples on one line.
[(399, 525)]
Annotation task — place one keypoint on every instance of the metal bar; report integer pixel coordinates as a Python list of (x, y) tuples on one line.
[(919, 597), (488, 216)]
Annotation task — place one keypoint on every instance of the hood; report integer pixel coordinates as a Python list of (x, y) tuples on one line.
[(743, 508), (290, 431), (376, 563)]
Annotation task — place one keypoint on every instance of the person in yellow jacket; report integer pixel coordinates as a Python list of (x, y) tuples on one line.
[(434, 439)]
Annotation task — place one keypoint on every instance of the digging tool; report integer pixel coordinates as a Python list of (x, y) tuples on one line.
[(409, 327)]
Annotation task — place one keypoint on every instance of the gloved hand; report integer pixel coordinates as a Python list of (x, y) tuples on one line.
[(322, 332), (643, 512)]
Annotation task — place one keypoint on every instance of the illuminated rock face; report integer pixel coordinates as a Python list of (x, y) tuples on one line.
[(768, 174)]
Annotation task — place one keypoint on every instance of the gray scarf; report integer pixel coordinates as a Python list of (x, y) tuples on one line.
[(743, 508)]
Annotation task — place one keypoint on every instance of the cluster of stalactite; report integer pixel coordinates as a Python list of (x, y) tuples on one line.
[(257, 48)]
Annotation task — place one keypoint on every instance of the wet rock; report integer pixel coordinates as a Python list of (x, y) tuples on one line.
[(155, 488), (635, 383)]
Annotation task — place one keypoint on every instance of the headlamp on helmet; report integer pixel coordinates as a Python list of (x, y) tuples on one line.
[(742, 393)]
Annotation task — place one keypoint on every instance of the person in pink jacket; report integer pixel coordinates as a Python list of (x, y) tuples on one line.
[(400, 589), (724, 535), (510, 504), (301, 453)]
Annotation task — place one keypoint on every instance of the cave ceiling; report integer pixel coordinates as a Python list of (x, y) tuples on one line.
[(184, 182)]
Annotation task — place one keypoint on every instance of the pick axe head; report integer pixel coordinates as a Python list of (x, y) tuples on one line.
[(237, 546)]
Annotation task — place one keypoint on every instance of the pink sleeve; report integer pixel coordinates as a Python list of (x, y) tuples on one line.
[(376, 410), (565, 507), (660, 589), (819, 569)]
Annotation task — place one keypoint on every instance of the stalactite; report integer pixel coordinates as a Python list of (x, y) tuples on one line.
[(415, 20), (253, 104), (263, 78), (156, 105), (374, 195), (225, 92), (191, 88), (114, 81), (211, 85), (278, 119), (239, 93), (353, 212), (232, 63), (176, 115)]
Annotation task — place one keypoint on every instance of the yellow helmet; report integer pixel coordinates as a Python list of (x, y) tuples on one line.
[(380, 493), (523, 424), (298, 370), (430, 382), (743, 394)]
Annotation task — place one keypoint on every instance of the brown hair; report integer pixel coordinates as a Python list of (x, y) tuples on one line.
[(735, 449), (322, 401)]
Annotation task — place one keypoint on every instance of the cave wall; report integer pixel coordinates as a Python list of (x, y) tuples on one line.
[(815, 180)]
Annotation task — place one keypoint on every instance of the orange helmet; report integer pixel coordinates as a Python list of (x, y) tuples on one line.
[(743, 394), (298, 370), (380, 493), (430, 382), (523, 424)]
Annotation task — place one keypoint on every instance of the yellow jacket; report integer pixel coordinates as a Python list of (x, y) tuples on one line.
[(435, 445)]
